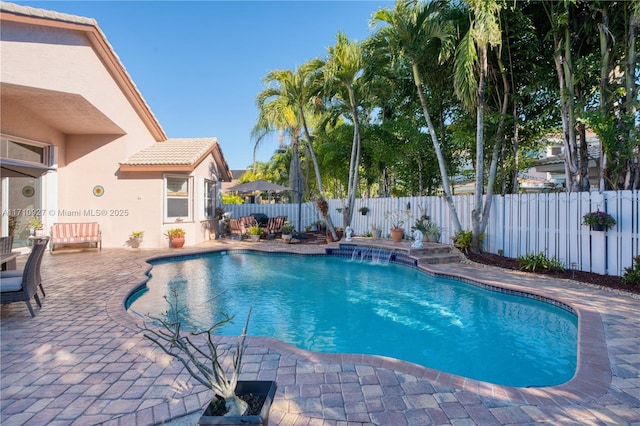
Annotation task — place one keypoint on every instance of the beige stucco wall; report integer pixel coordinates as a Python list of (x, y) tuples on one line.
[(64, 61)]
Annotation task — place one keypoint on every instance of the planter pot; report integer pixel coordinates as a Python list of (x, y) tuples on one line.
[(397, 234), (261, 388), (431, 238), (377, 233), (599, 228), (287, 237), (177, 242), (254, 238)]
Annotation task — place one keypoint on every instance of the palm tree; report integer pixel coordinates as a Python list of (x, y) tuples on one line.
[(277, 116), (472, 55), (283, 106), (342, 68), (411, 28)]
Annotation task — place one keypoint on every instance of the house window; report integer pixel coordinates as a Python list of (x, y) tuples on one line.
[(209, 198), (177, 198), (24, 151)]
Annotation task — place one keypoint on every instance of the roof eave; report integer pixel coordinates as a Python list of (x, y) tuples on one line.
[(163, 168), (106, 53)]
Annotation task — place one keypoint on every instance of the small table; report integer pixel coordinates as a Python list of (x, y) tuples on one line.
[(9, 260)]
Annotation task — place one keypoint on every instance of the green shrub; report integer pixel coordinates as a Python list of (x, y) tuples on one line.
[(462, 240), (632, 273), (531, 262)]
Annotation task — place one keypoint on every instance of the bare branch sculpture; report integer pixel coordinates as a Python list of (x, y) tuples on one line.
[(203, 365)]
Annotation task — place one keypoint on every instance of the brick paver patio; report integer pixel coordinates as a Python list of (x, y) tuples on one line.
[(82, 361)]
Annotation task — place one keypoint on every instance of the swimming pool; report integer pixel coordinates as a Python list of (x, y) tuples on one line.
[(334, 305)]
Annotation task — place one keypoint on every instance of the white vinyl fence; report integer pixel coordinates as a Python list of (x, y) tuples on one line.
[(519, 224)]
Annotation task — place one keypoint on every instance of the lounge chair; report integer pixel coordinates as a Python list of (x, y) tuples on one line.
[(237, 228), (274, 225), (23, 288), (248, 221)]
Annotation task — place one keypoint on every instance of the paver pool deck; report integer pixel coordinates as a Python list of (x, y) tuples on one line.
[(82, 360)]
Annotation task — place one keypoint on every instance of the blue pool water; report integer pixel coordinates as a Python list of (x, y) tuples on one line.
[(334, 305)]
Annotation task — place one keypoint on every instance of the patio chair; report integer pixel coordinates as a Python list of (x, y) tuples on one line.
[(237, 228), (23, 288), (274, 225), (6, 245), (19, 272), (248, 221)]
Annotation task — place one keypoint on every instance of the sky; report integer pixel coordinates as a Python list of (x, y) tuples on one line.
[(200, 64)]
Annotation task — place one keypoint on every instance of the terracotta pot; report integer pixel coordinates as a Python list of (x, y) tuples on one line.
[(397, 234), (177, 242)]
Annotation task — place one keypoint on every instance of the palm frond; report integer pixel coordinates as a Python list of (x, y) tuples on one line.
[(464, 76)]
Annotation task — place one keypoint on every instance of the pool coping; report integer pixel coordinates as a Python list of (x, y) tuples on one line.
[(592, 378)]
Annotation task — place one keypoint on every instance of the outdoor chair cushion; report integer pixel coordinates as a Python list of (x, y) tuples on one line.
[(19, 273), (11, 284)]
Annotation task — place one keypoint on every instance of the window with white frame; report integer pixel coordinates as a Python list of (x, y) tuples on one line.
[(209, 198), (178, 200)]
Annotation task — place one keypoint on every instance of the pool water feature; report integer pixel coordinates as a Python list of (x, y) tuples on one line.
[(336, 305)]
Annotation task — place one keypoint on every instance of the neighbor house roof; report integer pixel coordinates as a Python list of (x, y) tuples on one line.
[(593, 153), (10, 12), (178, 155)]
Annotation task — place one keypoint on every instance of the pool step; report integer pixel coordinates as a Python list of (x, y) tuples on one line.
[(434, 254)]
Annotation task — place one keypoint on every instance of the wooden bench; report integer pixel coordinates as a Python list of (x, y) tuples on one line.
[(75, 233)]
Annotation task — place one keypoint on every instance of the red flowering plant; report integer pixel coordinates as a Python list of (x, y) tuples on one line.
[(598, 218)]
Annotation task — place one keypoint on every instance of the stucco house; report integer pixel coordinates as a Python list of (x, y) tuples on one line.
[(552, 161), (83, 144)]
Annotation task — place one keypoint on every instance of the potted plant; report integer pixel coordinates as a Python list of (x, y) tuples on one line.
[(430, 231), (135, 239), (36, 228), (254, 232), (363, 210), (397, 219), (287, 230), (176, 237), (598, 221), (202, 358)]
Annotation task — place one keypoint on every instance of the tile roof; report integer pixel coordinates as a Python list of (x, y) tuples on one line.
[(46, 14), (173, 152), (593, 153)]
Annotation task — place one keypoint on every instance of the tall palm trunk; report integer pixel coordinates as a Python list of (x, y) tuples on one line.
[(295, 175), (497, 148), (631, 93), (446, 185), (603, 31), (354, 164), (316, 167), (476, 213), (564, 71)]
